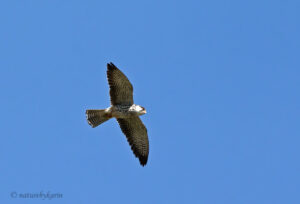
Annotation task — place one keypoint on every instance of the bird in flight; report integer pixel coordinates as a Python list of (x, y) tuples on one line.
[(125, 111)]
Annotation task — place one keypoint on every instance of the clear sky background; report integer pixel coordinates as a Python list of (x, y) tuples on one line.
[(219, 79)]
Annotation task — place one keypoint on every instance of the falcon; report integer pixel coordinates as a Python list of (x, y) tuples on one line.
[(125, 111)]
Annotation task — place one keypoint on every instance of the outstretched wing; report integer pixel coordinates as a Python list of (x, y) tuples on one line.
[(121, 90), (137, 136)]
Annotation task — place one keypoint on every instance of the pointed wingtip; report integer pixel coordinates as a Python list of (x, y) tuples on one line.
[(110, 65), (143, 161)]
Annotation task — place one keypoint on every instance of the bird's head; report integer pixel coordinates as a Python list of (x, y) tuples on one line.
[(141, 110)]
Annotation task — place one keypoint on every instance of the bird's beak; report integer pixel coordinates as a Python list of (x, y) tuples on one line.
[(144, 111)]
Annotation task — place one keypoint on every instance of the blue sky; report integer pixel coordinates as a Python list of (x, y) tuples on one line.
[(219, 80)]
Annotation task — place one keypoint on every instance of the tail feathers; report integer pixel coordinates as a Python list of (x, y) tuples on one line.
[(96, 117)]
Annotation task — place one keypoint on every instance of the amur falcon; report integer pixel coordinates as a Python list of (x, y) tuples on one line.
[(125, 111)]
